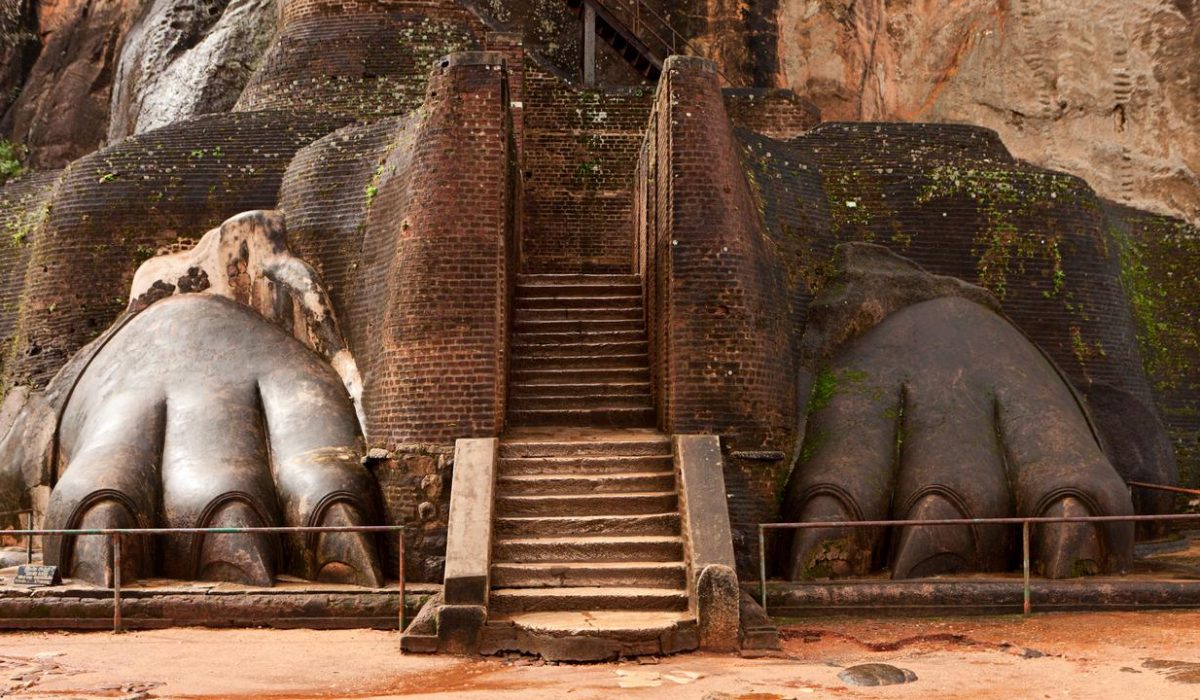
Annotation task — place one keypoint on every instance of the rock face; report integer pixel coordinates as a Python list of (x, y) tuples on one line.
[(1105, 99), (187, 57), (62, 109)]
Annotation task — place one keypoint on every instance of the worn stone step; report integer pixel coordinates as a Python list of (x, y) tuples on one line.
[(573, 464), (589, 417), (550, 390), (591, 314), (552, 279), (520, 362), (568, 549), (647, 443), (522, 349), (604, 301), (593, 635), (591, 504), (511, 600), (655, 525), (592, 288), (582, 401), (579, 375), (571, 484), (671, 575), (583, 335), (577, 325)]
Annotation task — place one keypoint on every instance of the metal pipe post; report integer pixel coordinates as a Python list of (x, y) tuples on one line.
[(115, 541), (401, 567), (29, 538), (762, 567), (1025, 564)]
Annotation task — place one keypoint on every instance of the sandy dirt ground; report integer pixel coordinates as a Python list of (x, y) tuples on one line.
[(1126, 656)]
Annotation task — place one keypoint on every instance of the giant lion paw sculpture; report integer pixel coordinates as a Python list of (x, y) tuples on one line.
[(928, 403), (197, 410)]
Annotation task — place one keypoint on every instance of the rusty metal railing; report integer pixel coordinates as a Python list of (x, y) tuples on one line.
[(114, 536), (1025, 524)]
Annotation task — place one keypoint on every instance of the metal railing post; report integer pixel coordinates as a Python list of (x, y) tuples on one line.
[(1025, 565), (401, 572), (115, 543), (762, 567), (29, 538)]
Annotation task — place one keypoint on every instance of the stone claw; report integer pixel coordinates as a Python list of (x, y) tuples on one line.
[(91, 556), (934, 549), (347, 557), (826, 552), (1068, 550), (247, 558)]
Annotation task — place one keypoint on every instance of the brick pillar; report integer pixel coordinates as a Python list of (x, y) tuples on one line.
[(725, 351), (443, 375)]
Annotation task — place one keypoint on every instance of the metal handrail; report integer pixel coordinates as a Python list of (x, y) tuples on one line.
[(1023, 522), (114, 538), (677, 37)]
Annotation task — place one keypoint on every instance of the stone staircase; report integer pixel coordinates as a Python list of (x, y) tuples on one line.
[(579, 352), (587, 554), (613, 26)]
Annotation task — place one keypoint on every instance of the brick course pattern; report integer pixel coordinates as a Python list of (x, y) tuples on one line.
[(580, 148), (117, 207), (357, 57), (1160, 269), (23, 207)]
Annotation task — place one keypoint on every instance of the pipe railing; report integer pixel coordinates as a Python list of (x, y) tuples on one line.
[(114, 536), (1025, 524)]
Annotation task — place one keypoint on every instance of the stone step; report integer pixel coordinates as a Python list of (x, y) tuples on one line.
[(551, 390), (579, 375), (594, 635), (568, 279), (577, 549), (520, 362), (670, 575), (584, 417), (576, 484), (591, 288), (521, 349), (572, 464), (581, 401), (513, 600), (625, 446), (578, 302), (653, 525), (583, 335), (573, 325), (593, 504), (589, 315)]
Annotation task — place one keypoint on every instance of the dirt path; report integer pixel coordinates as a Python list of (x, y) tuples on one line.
[(1127, 656)]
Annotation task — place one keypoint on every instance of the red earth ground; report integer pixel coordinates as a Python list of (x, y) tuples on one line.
[(1065, 655)]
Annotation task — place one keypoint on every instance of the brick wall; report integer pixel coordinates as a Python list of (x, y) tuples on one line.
[(363, 58), (115, 208), (778, 113), (580, 148), (723, 308), (1160, 269), (22, 210)]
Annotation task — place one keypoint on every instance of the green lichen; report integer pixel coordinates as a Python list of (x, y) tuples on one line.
[(1010, 201), (10, 163)]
